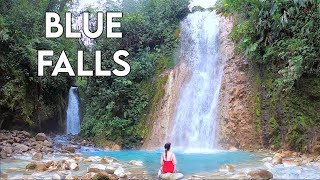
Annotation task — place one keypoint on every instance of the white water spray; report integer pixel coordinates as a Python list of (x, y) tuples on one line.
[(196, 111), (73, 112)]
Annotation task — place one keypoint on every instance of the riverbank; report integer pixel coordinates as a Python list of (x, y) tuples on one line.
[(44, 157)]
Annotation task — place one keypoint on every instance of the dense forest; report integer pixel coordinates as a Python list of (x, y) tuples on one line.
[(281, 39), (114, 108)]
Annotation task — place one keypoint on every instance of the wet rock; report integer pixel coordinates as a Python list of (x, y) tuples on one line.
[(106, 160), (227, 168), (41, 137), (37, 166), (104, 176), (277, 159), (74, 166), (69, 149), (116, 147), (88, 176), (3, 175), (260, 174), (171, 176), (3, 155), (71, 177), (37, 156), (96, 168), (31, 166), (119, 171), (291, 163), (136, 163), (110, 169)]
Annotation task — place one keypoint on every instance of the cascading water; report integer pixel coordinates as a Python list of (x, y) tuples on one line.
[(73, 112), (195, 114)]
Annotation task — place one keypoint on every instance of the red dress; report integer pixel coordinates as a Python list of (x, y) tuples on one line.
[(168, 166)]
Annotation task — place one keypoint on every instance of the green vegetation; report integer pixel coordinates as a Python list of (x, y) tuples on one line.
[(117, 108), (26, 100), (281, 38)]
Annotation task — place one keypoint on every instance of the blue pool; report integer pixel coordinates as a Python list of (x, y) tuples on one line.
[(188, 163)]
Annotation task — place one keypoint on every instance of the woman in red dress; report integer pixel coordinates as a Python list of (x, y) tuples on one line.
[(168, 160)]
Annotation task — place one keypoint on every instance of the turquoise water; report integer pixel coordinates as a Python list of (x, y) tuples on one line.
[(188, 163)]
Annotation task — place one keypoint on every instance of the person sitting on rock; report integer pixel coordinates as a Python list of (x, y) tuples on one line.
[(168, 160)]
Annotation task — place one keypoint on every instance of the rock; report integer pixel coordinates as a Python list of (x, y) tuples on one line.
[(266, 159), (74, 166), (47, 143), (260, 174), (41, 167), (277, 159), (56, 176), (36, 166), (70, 149), (20, 148), (25, 133), (7, 149), (3, 175), (31, 166), (3, 155), (136, 163), (71, 177), (88, 176), (227, 168), (171, 176), (96, 168), (41, 137), (16, 139), (106, 160), (233, 149), (94, 158), (110, 169), (119, 171), (104, 176), (37, 156), (288, 163), (116, 147)]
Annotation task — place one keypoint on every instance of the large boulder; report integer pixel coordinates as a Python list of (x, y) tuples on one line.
[(171, 176), (41, 137), (96, 168), (260, 174)]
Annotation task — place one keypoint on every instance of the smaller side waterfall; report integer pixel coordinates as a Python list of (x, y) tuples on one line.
[(73, 112)]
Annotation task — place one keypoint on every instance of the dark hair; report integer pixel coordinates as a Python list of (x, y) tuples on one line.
[(167, 148)]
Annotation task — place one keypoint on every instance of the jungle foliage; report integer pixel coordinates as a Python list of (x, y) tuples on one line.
[(281, 38), (26, 100)]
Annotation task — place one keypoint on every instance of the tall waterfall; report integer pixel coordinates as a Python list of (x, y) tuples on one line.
[(73, 112), (196, 110)]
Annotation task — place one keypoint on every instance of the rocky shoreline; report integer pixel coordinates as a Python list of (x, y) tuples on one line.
[(24, 156)]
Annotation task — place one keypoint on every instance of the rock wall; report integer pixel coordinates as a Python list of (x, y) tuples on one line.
[(236, 118), (162, 120)]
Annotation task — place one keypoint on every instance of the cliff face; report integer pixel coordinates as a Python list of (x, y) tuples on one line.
[(236, 115), (161, 121)]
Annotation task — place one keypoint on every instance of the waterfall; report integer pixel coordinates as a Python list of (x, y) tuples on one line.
[(196, 109), (73, 112)]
